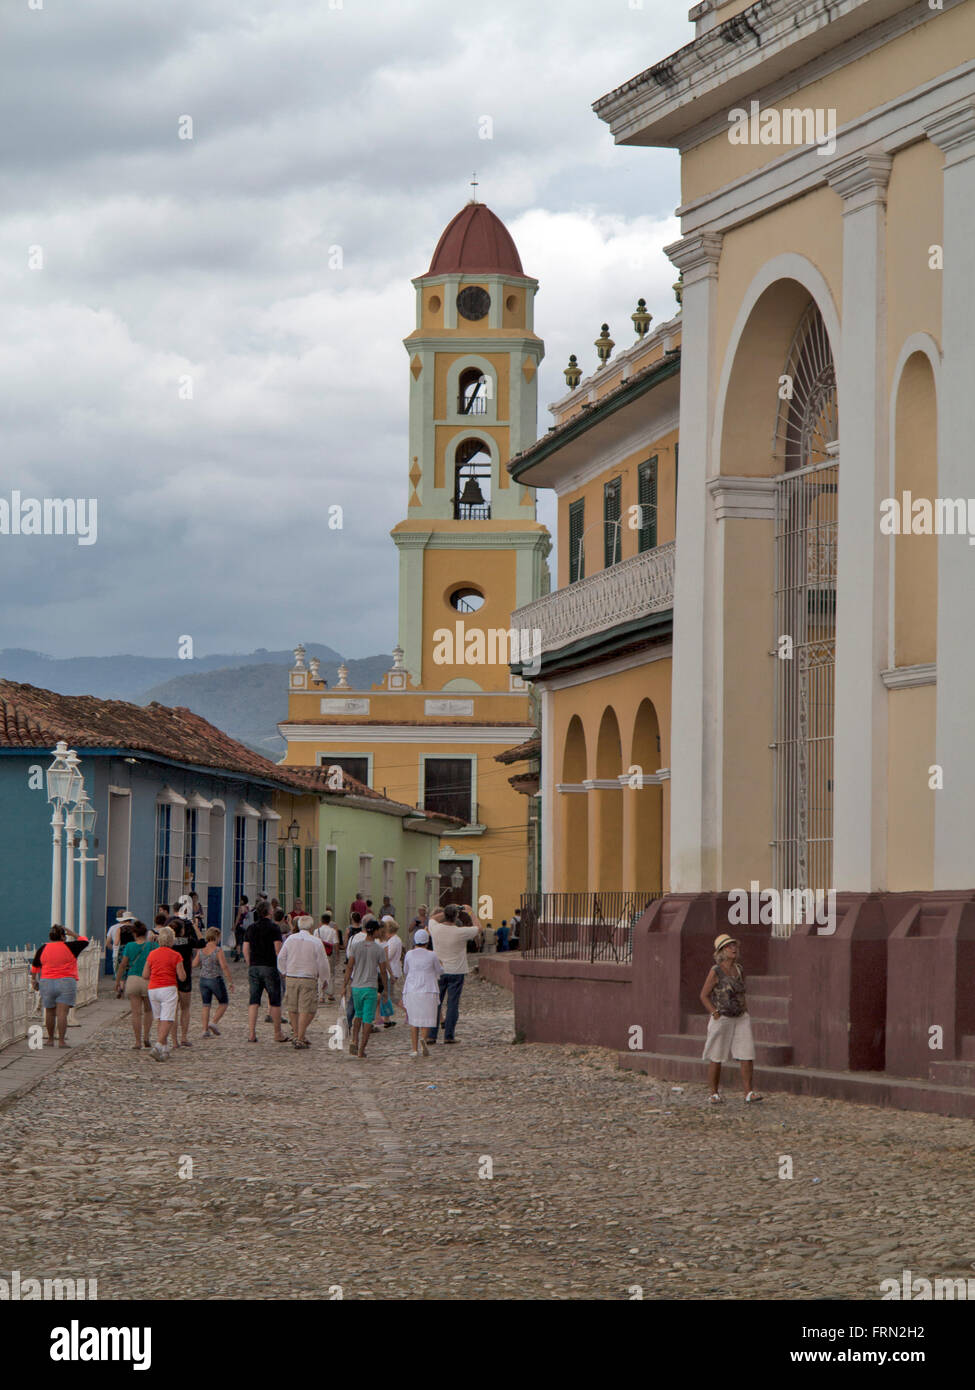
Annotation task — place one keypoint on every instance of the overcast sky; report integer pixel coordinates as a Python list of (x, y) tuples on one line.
[(314, 125)]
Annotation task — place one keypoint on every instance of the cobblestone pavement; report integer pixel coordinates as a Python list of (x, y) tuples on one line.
[(313, 1170)]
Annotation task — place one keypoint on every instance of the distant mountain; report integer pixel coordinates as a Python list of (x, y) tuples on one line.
[(248, 702), (126, 677), (245, 694)]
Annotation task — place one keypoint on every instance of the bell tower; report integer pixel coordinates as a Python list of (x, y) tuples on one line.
[(470, 548)]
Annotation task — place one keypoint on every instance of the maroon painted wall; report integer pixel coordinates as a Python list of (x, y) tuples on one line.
[(563, 1001)]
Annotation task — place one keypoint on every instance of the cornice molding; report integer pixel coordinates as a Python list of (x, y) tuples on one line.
[(334, 734), (860, 179), (954, 133), (696, 255), (742, 499), (909, 677)]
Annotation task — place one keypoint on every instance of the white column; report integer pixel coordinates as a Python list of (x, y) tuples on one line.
[(954, 861), (696, 776), (57, 894), (550, 775), (70, 829), (860, 700)]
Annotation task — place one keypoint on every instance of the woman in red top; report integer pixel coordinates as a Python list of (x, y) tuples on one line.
[(57, 965), (163, 968)]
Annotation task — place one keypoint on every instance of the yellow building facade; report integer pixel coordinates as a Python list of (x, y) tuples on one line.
[(470, 552), (604, 682), (821, 684)]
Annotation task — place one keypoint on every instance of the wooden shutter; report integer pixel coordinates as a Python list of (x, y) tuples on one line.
[(577, 523), (647, 477), (611, 517)]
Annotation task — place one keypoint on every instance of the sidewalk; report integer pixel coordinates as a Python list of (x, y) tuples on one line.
[(22, 1067)]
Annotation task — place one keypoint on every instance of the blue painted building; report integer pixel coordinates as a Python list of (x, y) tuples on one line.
[(179, 805)]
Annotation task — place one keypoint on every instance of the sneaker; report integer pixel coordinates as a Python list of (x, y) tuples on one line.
[(214, 1030), (158, 1052), (414, 1054)]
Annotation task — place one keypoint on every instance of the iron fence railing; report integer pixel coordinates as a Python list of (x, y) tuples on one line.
[(581, 926)]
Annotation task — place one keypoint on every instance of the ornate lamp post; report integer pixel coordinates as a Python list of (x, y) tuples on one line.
[(63, 785), (86, 815)]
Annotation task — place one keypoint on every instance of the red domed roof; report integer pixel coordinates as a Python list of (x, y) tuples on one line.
[(476, 241)]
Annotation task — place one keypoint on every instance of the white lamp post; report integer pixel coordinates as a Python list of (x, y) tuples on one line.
[(86, 815), (70, 831), (63, 783)]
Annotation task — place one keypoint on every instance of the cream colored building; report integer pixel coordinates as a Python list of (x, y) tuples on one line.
[(829, 295)]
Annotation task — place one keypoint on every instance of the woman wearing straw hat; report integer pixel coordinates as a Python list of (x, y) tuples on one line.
[(729, 1027)]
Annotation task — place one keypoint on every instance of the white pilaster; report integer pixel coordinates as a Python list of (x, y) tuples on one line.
[(954, 860), (695, 790), (550, 773), (860, 700)]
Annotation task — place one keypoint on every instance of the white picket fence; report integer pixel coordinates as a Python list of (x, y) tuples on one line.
[(20, 1005)]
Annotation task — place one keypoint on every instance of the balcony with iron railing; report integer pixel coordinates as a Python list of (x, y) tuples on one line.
[(623, 592)]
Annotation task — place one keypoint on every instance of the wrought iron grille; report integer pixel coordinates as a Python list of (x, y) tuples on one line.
[(581, 926)]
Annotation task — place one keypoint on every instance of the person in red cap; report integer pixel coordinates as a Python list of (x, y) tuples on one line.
[(729, 1027)]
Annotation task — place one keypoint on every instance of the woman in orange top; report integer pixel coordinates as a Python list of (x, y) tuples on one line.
[(163, 969), (57, 965)]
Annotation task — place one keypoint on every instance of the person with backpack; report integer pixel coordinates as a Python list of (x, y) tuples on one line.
[(241, 922)]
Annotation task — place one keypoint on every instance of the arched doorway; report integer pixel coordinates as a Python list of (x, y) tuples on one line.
[(574, 849), (606, 814), (806, 497), (644, 872)]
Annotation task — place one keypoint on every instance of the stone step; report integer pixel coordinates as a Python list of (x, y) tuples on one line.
[(770, 1030), (769, 984), (768, 1006), (953, 1073), (865, 1088), (688, 1045)]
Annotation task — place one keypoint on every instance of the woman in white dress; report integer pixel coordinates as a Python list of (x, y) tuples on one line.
[(421, 992)]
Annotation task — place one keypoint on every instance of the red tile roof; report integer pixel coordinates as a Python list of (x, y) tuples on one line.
[(34, 718), (476, 240), (531, 748)]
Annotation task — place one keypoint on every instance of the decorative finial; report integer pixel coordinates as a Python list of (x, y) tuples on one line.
[(398, 658), (678, 288), (604, 345), (299, 657), (641, 319), (313, 666), (474, 185), (343, 678), (572, 373)]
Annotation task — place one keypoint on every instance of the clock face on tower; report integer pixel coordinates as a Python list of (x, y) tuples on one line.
[(473, 302)]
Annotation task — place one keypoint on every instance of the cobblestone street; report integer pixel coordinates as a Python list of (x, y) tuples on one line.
[(314, 1170)]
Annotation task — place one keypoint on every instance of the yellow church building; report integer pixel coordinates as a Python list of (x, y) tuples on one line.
[(471, 552)]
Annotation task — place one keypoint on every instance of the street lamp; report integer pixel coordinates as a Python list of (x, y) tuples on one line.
[(63, 783), (71, 830), (85, 815), (457, 878)]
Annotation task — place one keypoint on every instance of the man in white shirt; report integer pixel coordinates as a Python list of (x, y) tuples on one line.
[(304, 965), (450, 940), (329, 937)]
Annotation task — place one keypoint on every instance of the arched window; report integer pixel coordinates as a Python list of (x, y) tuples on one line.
[(472, 481), (473, 389), (805, 608)]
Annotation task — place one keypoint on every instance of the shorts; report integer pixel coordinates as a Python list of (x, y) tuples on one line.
[(136, 986), (364, 1001), (729, 1038), (213, 987), (54, 992), (184, 986), (163, 1003), (261, 978), (300, 994)]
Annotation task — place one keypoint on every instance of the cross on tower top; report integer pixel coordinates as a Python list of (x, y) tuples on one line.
[(474, 185)]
